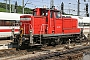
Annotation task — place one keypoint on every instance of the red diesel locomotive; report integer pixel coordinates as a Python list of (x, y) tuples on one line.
[(47, 27)]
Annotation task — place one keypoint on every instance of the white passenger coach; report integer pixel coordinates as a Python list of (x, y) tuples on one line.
[(8, 21)]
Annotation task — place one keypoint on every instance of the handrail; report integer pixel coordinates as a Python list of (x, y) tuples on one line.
[(41, 30)]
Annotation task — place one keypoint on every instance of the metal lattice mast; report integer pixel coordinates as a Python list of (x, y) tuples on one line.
[(23, 6), (78, 8), (51, 3), (10, 5)]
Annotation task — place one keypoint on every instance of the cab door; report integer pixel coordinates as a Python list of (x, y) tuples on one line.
[(51, 23)]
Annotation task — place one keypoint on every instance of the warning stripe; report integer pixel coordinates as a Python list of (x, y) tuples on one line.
[(8, 30)]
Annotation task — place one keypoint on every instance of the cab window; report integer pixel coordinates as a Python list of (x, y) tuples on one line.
[(8, 22), (57, 14)]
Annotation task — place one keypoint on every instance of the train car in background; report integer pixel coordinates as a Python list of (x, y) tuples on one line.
[(8, 21)]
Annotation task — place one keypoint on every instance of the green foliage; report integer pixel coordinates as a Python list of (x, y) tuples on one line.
[(19, 8), (2, 10), (26, 10)]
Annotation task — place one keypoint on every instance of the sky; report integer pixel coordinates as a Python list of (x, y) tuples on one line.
[(68, 8)]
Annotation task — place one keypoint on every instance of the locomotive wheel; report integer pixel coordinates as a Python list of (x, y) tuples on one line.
[(53, 44), (45, 45), (57, 41)]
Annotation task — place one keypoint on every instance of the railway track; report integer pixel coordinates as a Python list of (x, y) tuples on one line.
[(10, 54), (72, 54)]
